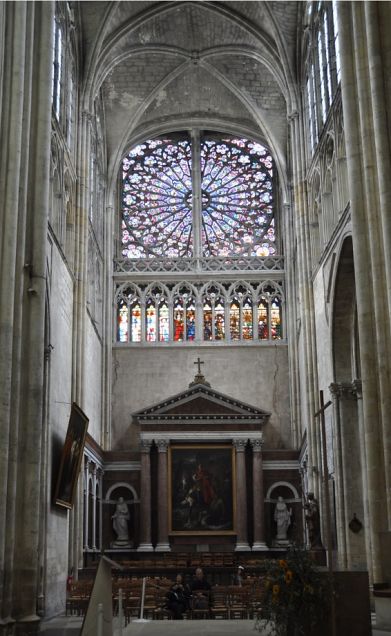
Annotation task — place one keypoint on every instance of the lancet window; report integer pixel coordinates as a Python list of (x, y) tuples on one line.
[(322, 65), (64, 71), (215, 312)]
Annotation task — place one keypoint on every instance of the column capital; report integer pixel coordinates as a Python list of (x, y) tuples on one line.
[(357, 388), (256, 445), (294, 114), (334, 389), (343, 390), (145, 445), (162, 445), (240, 445)]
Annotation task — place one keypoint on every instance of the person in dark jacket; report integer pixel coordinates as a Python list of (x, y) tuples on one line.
[(178, 598), (201, 591)]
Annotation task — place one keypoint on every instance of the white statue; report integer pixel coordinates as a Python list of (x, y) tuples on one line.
[(282, 517), (120, 522)]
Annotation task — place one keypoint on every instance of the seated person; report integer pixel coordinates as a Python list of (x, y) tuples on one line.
[(201, 591), (178, 598)]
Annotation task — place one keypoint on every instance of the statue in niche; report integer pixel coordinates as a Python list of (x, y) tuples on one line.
[(282, 517), (312, 520), (120, 524)]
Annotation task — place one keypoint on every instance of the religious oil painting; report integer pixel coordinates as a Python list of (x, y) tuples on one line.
[(201, 489), (71, 458)]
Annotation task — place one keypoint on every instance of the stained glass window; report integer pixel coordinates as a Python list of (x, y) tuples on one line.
[(156, 199), (164, 312), (123, 321), (234, 320), (151, 321), (57, 67), (136, 322), (214, 315), (231, 214), (263, 331), (247, 319), (178, 320), (275, 319)]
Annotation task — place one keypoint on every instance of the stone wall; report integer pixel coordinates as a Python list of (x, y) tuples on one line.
[(147, 375), (60, 390)]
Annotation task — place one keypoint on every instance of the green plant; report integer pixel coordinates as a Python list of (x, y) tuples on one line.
[(296, 596)]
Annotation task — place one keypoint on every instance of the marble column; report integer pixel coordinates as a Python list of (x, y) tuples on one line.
[(258, 497), (163, 543), (145, 498), (241, 496)]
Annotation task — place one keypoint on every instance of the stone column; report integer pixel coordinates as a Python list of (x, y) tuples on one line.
[(163, 543), (32, 232), (145, 498), (368, 266), (86, 502), (258, 497), (94, 484), (339, 473), (241, 496), (101, 473)]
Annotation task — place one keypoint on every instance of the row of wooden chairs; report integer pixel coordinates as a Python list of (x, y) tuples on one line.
[(227, 601)]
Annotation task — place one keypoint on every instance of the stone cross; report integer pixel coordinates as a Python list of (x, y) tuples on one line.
[(198, 361)]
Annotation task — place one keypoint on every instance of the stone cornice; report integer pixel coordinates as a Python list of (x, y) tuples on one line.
[(123, 466), (200, 436)]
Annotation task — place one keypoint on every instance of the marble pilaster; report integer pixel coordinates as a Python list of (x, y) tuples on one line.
[(163, 543), (241, 496), (258, 498), (145, 498)]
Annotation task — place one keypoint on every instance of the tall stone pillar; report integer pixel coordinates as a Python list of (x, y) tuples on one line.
[(241, 496), (258, 497), (368, 260), (94, 485), (339, 469), (163, 543), (145, 498), (86, 502)]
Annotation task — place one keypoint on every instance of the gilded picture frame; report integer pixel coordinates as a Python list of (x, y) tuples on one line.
[(201, 492), (71, 458)]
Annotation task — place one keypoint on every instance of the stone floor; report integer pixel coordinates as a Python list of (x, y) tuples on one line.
[(71, 625)]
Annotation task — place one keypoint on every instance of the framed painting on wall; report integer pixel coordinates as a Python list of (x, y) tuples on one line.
[(71, 458), (201, 489)]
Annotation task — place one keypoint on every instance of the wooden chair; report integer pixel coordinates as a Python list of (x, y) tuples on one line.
[(200, 612), (131, 607), (220, 605), (78, 597), (238, 602)]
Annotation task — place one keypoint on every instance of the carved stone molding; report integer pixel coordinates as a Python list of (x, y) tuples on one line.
[(357, 389), (240, 445), (256, 445), (162, 445), (344, 390), (145, 445)]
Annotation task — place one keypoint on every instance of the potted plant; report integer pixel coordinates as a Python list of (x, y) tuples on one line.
[(296, 599)]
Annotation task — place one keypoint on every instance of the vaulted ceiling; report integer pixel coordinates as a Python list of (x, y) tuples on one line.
[(161, 66)]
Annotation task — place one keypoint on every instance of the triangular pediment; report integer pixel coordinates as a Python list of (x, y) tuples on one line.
[(203, 402)]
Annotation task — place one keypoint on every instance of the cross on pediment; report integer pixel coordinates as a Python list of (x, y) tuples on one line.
[(199, 362), (199, 378)]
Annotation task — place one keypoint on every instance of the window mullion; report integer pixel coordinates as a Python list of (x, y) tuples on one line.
[(196, 186)]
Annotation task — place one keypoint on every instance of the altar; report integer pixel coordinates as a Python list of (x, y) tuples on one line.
[(202, 480)]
